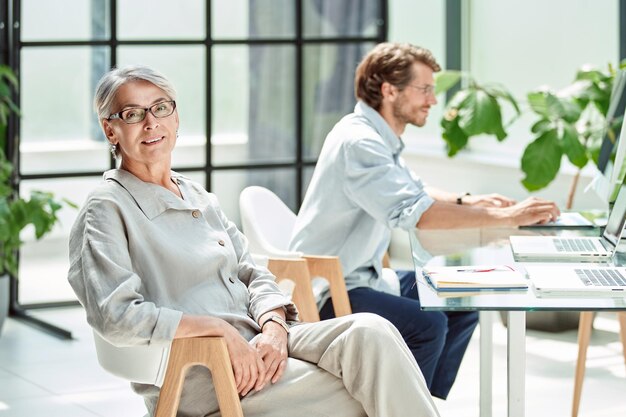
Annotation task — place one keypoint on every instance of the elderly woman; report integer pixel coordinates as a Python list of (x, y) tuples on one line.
[(154, 258)]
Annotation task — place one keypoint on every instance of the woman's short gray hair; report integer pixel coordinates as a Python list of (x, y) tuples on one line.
[(111, 82)]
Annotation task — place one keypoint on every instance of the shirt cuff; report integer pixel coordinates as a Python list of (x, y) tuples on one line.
[(291, 313), (412, 215), (166, 326)]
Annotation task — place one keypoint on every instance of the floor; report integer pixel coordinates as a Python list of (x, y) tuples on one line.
[(41, 375)]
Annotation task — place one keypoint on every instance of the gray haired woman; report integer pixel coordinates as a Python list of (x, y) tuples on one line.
[(154, 258)]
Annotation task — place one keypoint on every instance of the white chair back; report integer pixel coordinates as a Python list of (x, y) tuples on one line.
[(267, 222), (143, 364)]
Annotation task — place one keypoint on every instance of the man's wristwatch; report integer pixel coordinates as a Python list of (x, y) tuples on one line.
[(459, 199), (278, 320)]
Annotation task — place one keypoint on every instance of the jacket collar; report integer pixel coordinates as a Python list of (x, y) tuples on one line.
[(393, 142), (152, 199)]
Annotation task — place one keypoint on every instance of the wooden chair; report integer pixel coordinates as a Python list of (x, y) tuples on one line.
[(297, 271), (585, 327), (268, 223), (166, 367)]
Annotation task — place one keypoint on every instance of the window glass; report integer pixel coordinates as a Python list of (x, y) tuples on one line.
[(430, 33), (185, 67), (241, 19), (44, 20), (58, 123), (335, 18), (328, 89), (161, 19), (253, 102), (548, 55), (228, 184), (44, 263)]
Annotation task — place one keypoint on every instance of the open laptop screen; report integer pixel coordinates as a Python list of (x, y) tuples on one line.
[(617, 218)]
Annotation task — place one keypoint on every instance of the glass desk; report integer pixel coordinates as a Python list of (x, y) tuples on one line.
[(491, 246)]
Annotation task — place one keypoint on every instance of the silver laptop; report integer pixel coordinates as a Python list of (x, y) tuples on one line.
[(575, 249), (578, 280)]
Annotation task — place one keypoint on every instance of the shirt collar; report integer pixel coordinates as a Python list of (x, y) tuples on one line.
[(390, 138), (152, 199)]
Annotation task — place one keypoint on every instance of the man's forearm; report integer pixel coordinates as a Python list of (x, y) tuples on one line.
[(447, 215), (441, 195)]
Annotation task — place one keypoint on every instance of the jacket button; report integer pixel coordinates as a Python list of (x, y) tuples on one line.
[(195, 214), (221, 242), (231, 279)]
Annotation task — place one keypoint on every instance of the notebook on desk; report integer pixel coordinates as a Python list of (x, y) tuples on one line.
[(575, 249), (578, 280), (474, 278)]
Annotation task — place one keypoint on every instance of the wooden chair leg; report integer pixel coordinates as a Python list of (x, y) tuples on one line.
[(584, 335), (621, 316), (210, 352), (297, 271), (329, 267)]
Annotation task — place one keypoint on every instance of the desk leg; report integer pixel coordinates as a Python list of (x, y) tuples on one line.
[(516, 362), (486, 363)]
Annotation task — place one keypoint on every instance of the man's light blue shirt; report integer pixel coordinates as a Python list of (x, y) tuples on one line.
[(360, 190)]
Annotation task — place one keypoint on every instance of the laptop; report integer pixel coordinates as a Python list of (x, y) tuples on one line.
[(578, 280), (575, 249)]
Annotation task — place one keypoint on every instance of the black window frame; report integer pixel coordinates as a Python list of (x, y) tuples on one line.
[(12, 46)]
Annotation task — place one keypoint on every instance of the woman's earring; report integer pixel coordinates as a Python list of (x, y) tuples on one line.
[(113, 149), (177, 134)]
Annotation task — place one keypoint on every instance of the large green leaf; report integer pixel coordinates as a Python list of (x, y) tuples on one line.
[(539, 103), (458, 99), (592, 74), (7, 72), (445, 80), (572, 146), (454, 137), (541, 161), (541, 126), (480, 113), (499, 91), (551, 107)]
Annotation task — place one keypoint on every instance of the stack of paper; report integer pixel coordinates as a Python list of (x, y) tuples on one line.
[(475, 277)]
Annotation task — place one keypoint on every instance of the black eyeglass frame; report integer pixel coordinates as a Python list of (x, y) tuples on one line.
[(118, 115)]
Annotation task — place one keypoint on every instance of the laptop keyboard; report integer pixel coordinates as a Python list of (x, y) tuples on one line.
[(574, 245), (601, 277)]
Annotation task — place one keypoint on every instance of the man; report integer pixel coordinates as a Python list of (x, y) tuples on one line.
[(361, 188)]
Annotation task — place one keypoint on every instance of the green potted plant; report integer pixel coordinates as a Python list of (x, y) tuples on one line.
[(16, 213), (473, 110), (570, 122)]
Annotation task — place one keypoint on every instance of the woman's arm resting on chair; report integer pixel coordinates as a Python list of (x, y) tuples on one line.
[(248, 366)]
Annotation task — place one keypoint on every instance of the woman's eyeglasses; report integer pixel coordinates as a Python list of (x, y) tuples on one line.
[(137, 114)]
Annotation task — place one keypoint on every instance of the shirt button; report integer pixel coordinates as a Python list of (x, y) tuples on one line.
[(221, 242), (195, 214), (231, 279)]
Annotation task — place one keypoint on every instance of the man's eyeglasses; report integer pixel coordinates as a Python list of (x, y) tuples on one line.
[(425, 89), (137, 114)]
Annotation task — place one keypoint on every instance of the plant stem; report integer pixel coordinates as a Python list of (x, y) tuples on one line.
[(572, 191)]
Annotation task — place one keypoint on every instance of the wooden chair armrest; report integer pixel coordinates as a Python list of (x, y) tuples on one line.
[(210, 352), (297, 271), (329, 267)]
